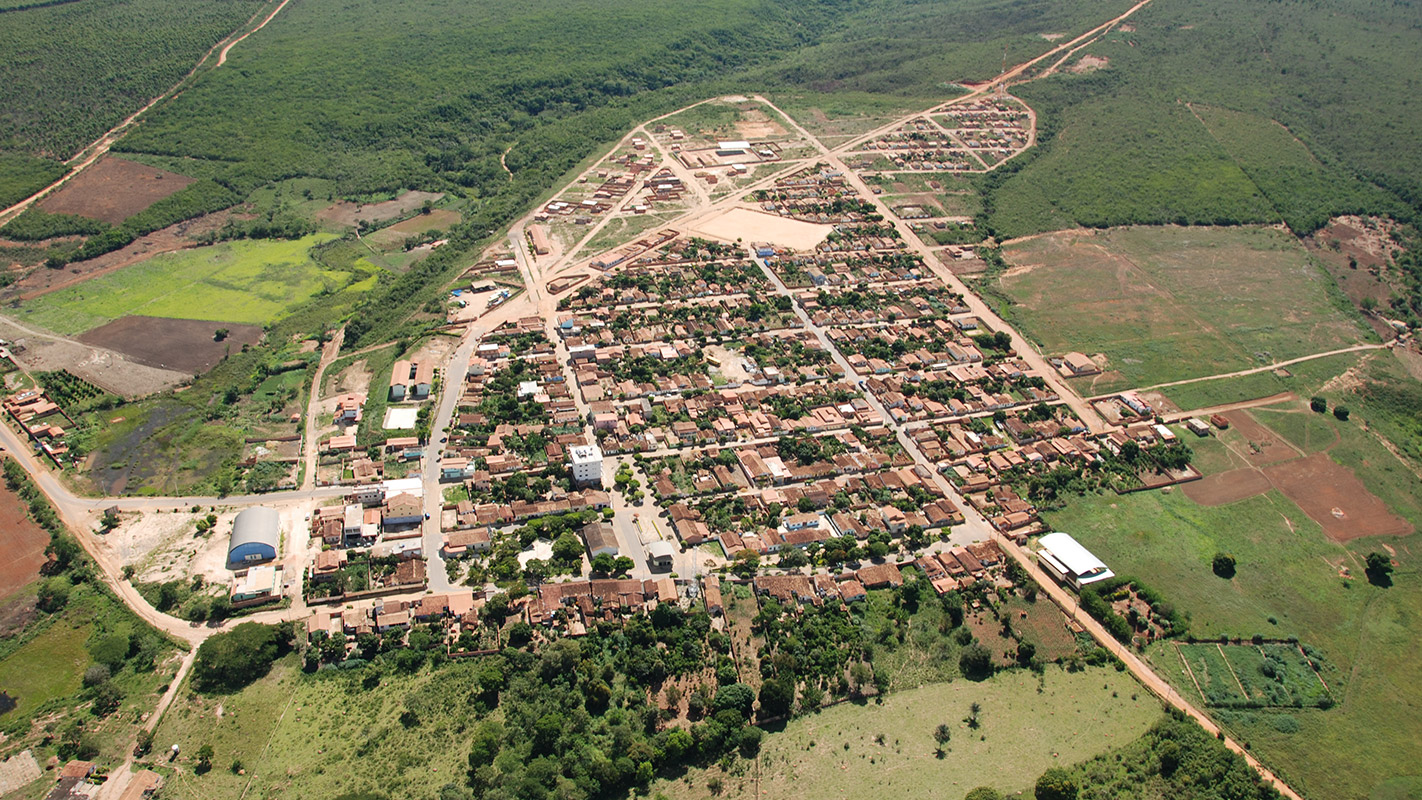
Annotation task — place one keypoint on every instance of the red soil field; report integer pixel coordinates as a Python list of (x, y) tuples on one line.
[(185, 345), (22, 544), (113, 190), (1332, 496)]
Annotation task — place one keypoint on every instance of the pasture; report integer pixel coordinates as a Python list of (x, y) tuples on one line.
[(1288, 583), (852, 750), (253, 282), (1167, 304)]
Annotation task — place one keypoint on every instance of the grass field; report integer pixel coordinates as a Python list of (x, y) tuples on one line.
[(1288, 573), (317, 737), (47, 667), (243, 281), (1171, 303), (1025, 728)]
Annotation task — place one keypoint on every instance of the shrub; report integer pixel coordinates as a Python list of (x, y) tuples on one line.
[(1223, 565), (1341, 412), (228, 661), (1318, 404), (1055, 784)]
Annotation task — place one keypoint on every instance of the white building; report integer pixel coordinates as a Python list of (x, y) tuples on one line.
[(587, 464), (1071, 563)]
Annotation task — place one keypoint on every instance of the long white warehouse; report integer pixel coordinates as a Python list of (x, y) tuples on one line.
[(1073, 564)]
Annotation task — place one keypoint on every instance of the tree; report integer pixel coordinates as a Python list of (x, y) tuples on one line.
[(220, 334), (941, 735), (1223, 565), (228, 661), (1055, 784), (1341, 412), (737, 697), (984, 793), (53, 594), (974, 716), (777, 697), (623, 565), (204, 759), (975, 662), (95, 675), (107, 699), (603, 564), (567, 548), (1379, 569), (749, 741), (1318, 405)]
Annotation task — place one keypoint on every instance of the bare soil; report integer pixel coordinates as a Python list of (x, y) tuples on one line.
[(1356, 251), (1223, 488), (1331, 495), (185, 345), (1265, 446), (1088, 64), (114, 190), (351, 213), (100, 366), (22, 544)]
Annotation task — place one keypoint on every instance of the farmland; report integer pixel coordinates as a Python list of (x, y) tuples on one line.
[(1287, 584), (1166, 304), (850, 750), (244, 282)]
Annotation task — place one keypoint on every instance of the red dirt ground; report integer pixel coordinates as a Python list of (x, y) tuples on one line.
[(22, 544), (1227, 487), (1332, 496), (113, 190), (185, 345), (1271, 448)]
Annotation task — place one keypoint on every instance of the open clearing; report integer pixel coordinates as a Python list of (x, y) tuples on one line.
[(394, 236), (1223, 488), (754, 226), (352, 213), (1333, 497), (185, 345), (1171, 303), (837, 753), (244, 281), (114, 190), (47, 667), (22, 544), (100, 366)]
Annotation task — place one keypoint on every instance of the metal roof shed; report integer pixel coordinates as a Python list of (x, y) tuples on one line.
[(256, 535)]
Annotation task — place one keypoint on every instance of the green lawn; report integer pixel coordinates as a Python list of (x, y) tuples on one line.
[(1168, 304), (244, 281), (47, 667), (1288, 572), (1025, 728)]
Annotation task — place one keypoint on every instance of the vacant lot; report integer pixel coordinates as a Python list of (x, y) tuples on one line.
[(1334, 498), (754, 226), (22, 544), (244, 282), (854, 751), (1167, 304), (353, 213), (393, 237), (1288, 584), (114, 190), (185, 345), (45, 668)]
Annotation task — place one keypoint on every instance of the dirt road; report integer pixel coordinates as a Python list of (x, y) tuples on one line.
[(313, 410), (1357, 348)]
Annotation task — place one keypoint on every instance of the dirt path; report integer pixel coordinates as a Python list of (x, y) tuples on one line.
[(222, 57), (313, 410), (96, 149), (1357, 348)]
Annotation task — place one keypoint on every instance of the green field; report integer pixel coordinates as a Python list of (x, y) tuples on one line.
[(47, 667), (1167, 304), (245, 281), (1025, 728), (1288, 573)]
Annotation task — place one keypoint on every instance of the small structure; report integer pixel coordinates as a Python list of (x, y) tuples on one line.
[(1078, 364), (660, 554), (587, 464), (259, 585), (1071, 563), (256, 535)]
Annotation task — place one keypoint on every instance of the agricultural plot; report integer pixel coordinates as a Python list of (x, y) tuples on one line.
[(186, 345), (242, 282), (1167, 304), (22, 545), (1268, 675), (1288, 583), (113, 190)]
